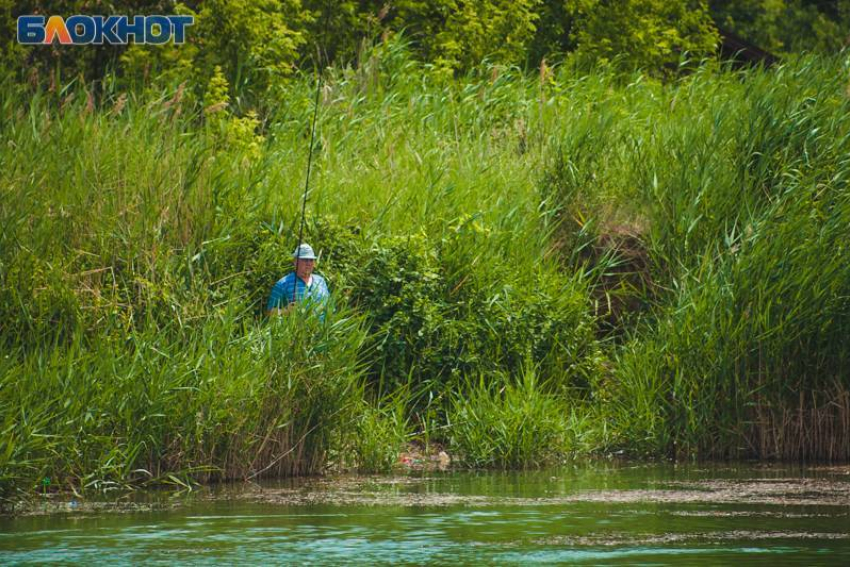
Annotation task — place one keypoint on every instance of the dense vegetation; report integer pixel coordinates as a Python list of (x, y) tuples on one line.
[(584, 259), (255, 45)]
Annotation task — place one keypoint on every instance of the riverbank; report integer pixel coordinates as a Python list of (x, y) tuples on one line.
[(523, 268)]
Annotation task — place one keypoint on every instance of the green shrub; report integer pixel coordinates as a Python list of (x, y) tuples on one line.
[(436, 316)]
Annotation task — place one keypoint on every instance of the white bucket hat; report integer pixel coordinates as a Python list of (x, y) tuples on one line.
[(304, 252)]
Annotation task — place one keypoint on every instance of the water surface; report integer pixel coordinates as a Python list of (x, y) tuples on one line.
[(583, 514)]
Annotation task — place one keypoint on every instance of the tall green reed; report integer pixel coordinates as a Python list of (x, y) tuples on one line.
[(219, 398), (507, 424), (140, 237)]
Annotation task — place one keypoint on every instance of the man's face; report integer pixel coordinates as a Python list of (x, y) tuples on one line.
[(304, 268)]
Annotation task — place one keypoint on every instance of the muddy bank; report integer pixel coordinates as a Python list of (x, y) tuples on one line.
[(432, 488), (382, 492)]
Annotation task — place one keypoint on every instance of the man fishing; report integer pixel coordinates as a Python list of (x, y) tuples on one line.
[(300, 285)]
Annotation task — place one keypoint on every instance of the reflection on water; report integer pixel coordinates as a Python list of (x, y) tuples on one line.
[(593, 514)]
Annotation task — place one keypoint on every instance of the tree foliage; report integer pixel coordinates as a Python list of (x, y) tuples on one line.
[(455, 35), (647, 34), (253, 43), (785, 26), (554, 31), (257, 44)]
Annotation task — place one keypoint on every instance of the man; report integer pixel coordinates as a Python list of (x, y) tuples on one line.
[(300, 285)]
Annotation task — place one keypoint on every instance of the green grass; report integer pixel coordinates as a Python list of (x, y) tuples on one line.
[(382, 432), (503, 423), (214, 400), (669, 258)]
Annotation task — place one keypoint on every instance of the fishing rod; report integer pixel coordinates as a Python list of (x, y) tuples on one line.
[(312, 143)]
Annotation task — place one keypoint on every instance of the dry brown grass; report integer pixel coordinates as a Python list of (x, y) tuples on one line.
[(817, 428)]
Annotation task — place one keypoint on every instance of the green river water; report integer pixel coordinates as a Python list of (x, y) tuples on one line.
[(593, 514)]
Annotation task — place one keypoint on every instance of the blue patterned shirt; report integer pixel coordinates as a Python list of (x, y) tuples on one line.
[(282, 291)]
